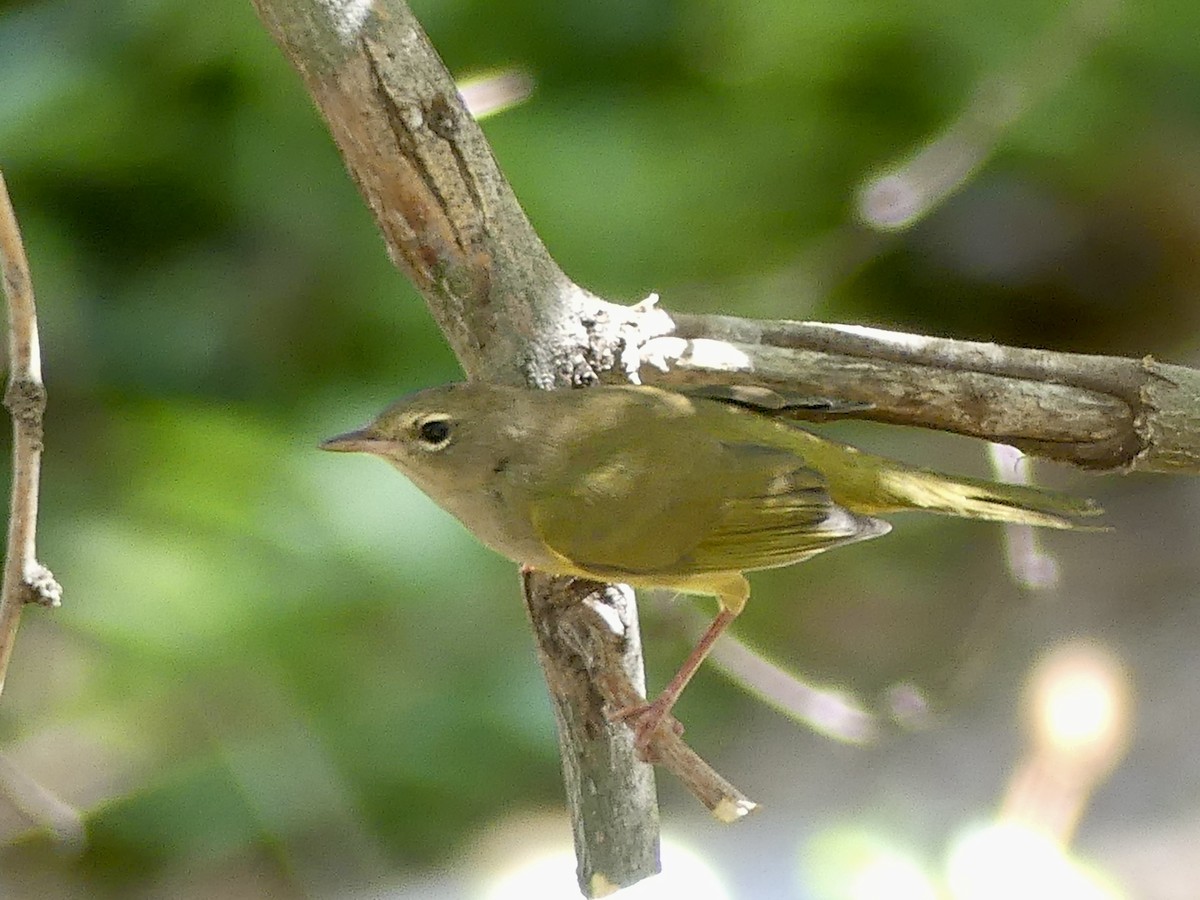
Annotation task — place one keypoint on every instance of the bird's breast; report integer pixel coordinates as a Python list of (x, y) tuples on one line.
[(499, 516)]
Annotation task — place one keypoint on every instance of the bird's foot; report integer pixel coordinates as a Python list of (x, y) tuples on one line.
[(646, 719)]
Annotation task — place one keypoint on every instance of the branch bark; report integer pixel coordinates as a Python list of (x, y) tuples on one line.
[(1096, 412), (452, 224), (25, 579), (450, 219)]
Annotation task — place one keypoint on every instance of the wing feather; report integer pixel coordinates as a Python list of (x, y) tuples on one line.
[(790, 523), (721, 508)]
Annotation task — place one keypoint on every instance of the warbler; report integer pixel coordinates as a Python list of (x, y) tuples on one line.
[(685, 490)]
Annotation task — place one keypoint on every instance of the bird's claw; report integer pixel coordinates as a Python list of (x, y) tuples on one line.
[(646, 719)]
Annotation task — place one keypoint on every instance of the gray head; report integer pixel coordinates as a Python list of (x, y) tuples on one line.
[(447, 439)]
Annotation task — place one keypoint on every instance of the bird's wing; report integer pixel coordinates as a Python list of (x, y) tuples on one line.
[(777, 513), (628, 504), (710, 507)]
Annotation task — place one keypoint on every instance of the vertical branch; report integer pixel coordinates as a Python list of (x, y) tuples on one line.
[(585, 630), (25, 580), (453, 225), (590, 650)]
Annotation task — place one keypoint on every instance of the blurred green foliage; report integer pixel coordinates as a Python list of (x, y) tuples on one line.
[(298, 659)]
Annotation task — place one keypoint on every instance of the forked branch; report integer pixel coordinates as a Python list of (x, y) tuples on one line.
[(452, 224)]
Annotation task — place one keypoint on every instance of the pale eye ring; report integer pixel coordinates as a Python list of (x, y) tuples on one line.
[(434, 432)]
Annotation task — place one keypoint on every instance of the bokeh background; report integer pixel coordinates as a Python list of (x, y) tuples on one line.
[(282, 673)]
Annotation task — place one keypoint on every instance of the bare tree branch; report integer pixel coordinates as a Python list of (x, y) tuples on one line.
[(452, 224), (449, 217), (511, 315), (1097, 412), (616, 833), (25, 579)]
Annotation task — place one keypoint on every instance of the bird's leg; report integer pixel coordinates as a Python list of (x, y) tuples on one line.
[(647, 718)]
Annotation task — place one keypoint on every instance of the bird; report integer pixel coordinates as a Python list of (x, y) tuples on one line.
[(680, 489)]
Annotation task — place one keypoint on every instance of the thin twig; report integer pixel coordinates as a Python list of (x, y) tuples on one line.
[(25, 579), (1029, 563), (722, 798), (593, 629), (830, 712), (904, 193), (41, 806)]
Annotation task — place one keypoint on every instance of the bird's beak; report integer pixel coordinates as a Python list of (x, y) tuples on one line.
[(361, 441)]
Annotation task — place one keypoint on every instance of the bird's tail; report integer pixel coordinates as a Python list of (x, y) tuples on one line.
[(865, 483), (972, 498)]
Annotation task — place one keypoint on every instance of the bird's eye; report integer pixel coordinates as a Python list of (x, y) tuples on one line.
[(434, 432)]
